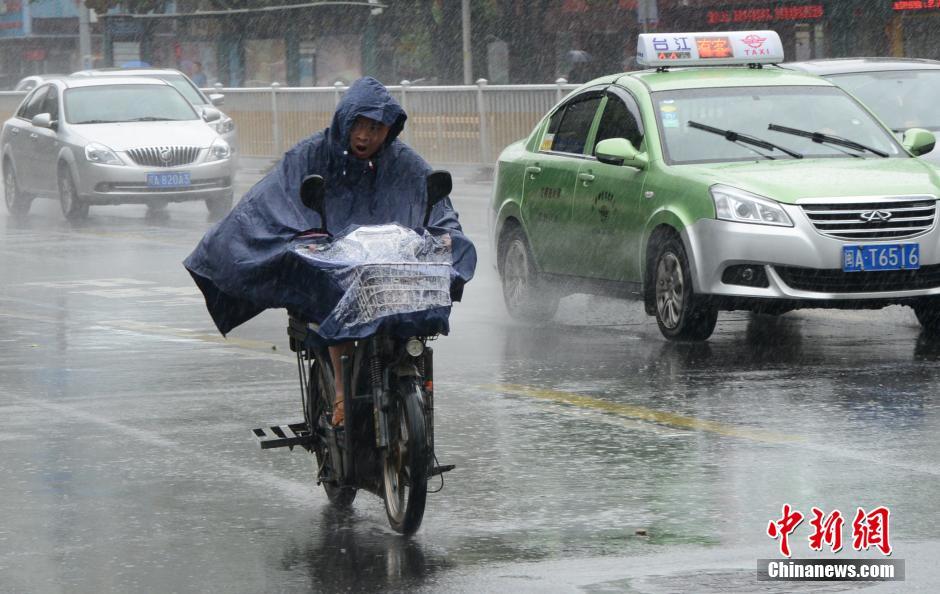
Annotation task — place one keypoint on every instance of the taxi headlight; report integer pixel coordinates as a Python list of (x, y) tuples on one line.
[(732, 204), (99, 153), (219, 150)]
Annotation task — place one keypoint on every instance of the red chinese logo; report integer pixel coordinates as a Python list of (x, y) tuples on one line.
[(827, 531), (871, 530), (783, 527)]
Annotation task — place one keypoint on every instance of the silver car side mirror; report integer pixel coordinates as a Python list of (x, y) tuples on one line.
[(211, 115), (44, 120)]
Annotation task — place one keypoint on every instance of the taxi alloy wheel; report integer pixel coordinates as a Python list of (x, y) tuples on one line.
[(526, 299), (680, 314), (17, 204), (72, 206)]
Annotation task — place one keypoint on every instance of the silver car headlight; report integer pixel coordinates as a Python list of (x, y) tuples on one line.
[(218, 151), (224, 125), (732, 204), (99, 153)]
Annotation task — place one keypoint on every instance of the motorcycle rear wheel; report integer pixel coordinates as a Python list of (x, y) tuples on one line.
[(320, 402), (407, 461)]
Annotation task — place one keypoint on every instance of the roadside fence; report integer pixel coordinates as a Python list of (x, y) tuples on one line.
[(461, 124)]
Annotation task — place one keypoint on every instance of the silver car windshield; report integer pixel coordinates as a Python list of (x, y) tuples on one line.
[(903, 99), (750, 110), (126, 103)]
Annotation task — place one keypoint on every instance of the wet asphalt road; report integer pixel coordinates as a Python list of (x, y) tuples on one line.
[(591, 454)]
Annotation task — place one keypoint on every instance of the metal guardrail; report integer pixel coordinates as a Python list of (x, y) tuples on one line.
[(465, 124)]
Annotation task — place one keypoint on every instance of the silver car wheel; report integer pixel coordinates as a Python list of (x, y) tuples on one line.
[(669, 290), (66, 194), (9, 187)]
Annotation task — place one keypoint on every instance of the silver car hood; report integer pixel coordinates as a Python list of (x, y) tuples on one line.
[(124, 136)]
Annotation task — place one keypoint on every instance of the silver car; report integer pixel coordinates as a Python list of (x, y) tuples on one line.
[(113, 140), (224, 125)]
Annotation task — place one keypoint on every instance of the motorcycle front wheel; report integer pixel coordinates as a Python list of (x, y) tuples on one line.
[(406, 463)]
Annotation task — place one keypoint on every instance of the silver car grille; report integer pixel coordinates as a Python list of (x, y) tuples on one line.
[(164, 156), (872, 218)]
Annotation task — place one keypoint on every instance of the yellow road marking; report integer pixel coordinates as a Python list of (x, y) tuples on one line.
[(648, 415)]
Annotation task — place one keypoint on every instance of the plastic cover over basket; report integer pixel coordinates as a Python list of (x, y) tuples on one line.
[(383, 270)]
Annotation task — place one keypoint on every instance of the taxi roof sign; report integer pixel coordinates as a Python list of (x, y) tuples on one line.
[(660, 50)]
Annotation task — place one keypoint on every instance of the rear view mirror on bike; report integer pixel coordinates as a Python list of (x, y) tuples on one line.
[(440, 185), (312, 193)]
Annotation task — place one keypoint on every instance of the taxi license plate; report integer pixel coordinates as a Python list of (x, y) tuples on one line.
[(178, 179), (885, 256)]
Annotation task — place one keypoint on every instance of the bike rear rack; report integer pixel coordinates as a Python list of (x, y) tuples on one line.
[(283, 436)]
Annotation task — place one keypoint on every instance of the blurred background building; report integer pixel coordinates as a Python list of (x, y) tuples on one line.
[(257, 42)]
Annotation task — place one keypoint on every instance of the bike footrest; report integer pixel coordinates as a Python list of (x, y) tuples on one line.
[(283, 436), (442, 469)]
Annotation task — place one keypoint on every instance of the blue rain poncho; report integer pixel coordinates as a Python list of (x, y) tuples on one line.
[(253, 259)]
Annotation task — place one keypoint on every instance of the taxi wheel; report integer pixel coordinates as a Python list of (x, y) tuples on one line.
[(928, 314), (72, 205), (219, 207), (680, 314), (17, 203), (525, 295)]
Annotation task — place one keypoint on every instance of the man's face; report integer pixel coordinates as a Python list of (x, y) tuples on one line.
[(367, 137)]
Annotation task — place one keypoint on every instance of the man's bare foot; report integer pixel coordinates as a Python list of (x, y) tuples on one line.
[(339, 412)]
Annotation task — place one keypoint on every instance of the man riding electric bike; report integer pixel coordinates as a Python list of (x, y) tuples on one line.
[(272, 251)]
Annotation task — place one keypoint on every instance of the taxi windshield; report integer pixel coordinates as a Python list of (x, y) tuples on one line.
[(903, 99), (751, 110)]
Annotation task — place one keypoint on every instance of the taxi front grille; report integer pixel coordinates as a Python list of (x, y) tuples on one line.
[(837, 281), (864, 219), (164, 156)]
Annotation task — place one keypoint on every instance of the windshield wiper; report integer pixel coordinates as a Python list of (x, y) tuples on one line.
[(821, 138), (733, 136), (152, 119), (98, 122)]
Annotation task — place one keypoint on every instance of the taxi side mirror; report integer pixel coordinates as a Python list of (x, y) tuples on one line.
[(619, 151), (918, 141)]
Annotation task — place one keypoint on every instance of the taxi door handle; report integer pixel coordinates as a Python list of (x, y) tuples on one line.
[(586, 177), (533, 171)]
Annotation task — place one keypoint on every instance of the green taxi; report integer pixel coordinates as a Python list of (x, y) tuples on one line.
[(717, 181)]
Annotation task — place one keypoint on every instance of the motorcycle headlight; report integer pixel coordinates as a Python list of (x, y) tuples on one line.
[(99, 153), (732, 204), (224, 125), (219, 150), (414, 347)]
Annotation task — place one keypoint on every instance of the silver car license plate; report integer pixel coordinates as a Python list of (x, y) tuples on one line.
[(176, 179), (884, 256)]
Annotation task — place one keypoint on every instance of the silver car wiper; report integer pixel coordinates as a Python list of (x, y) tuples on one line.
[(746, 139), (152, 119), (98, 122), (821, 138)]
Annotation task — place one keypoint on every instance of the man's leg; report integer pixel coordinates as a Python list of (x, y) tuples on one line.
[(336, 353)]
